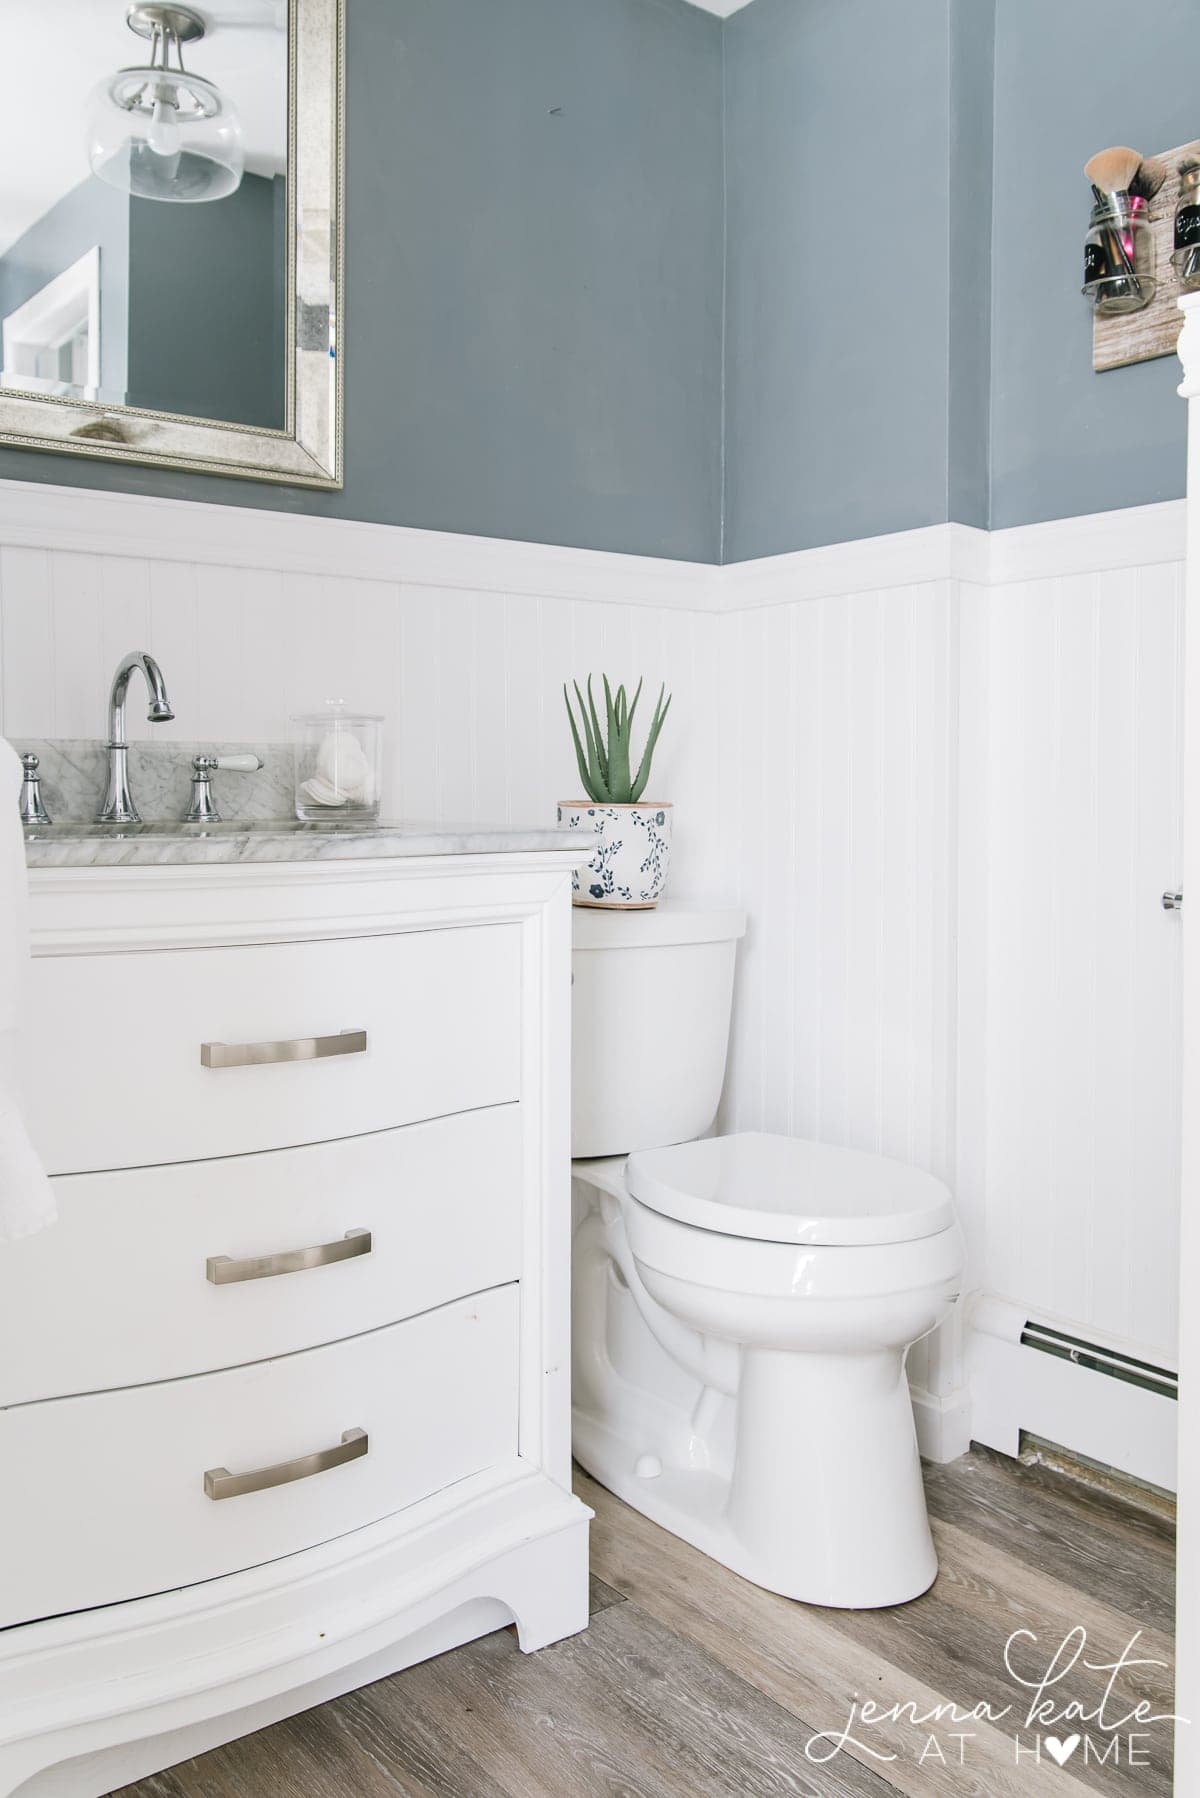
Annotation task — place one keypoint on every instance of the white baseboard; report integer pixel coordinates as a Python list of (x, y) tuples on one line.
[(943, 1424), (1015, 1388)]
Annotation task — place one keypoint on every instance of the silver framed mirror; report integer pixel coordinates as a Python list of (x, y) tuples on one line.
[(171, 271)]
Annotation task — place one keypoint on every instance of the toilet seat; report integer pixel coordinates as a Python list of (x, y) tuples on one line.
[(784, 1189)]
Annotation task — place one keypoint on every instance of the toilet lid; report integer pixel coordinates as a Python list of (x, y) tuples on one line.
[(783, 1189)]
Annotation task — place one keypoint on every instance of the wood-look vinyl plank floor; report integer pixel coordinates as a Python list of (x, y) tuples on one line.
[(691, 1683), (1107, 1550)]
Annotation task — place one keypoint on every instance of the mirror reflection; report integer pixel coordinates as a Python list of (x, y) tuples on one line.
[(143, 214)]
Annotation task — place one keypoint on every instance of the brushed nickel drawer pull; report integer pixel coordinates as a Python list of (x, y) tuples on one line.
[(223, 1270), (220, 1483), (300, 1048)]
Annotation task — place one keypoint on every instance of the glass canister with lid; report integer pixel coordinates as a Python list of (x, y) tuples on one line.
[(338, 760)]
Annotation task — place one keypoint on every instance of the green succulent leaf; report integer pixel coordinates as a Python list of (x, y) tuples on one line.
[(618, 764), (597, 786), (603, 749), (601, 757), (579, 755), (656, 724)]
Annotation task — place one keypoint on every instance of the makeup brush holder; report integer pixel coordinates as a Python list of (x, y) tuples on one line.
[(1118, 255), (1185, 259)]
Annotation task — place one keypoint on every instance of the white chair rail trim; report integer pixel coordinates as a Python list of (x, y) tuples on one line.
[(37, 516)]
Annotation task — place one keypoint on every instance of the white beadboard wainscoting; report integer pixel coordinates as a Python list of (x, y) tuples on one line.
[(1080, 1024), (465, 654), (1069, 1085), (940, 770), (837, 801), (954, 806)]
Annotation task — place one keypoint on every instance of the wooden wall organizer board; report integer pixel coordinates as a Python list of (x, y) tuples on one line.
[(1140, 336)]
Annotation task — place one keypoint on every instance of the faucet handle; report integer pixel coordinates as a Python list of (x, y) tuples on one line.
[(32, 809), (238, 764), (203, 809)]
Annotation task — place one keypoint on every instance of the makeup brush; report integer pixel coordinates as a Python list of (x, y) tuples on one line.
[(1111, 171), (1151, 173)]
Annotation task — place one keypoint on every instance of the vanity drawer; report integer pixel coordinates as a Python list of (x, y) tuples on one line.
[(105, 1497), (154, 1273), (183, 1054)]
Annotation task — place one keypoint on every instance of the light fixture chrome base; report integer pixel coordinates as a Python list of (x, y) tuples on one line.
[(184, 25), (136, 90)]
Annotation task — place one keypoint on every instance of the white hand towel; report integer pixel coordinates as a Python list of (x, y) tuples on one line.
[(26, 1196)]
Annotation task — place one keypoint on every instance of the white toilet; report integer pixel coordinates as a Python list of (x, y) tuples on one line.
[(743, 1305)]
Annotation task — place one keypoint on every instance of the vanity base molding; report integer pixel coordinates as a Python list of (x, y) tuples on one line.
[(93, 1701)]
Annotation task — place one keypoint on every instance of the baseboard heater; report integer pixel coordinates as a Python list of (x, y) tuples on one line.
[(1047, 1379), (1100, 1360)]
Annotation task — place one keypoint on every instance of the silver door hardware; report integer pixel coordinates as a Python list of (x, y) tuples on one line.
[(1172, 901), (223, 1270), (220, 1483), (300, 1048), (203, 809)]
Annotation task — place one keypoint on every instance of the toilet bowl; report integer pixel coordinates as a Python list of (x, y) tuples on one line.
[(743, 1307)]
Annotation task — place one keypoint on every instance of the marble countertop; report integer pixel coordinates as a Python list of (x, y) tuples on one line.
[(71, 845)]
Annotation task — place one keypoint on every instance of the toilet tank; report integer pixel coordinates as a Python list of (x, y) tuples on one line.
[(651, 999)]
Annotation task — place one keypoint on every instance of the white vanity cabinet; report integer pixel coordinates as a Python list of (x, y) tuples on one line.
[(283, 1393)]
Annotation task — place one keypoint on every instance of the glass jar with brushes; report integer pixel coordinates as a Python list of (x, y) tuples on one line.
[(1118, 254), (1186, 258), (338, 759)]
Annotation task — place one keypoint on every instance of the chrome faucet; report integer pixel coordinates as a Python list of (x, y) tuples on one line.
[(118, 807)]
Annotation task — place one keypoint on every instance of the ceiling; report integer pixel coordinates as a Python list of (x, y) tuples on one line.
[(56, 53), (722, 8)]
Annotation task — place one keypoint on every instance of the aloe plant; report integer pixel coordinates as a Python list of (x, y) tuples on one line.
[(603, 752)]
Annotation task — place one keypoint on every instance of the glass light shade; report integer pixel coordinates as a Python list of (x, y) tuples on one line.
[(164, 135)]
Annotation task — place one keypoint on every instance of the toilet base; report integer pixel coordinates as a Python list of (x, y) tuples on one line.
[(775, 1435), (693, 1502)]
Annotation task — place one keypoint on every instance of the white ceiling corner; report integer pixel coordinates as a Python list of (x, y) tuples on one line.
[(722, 8)]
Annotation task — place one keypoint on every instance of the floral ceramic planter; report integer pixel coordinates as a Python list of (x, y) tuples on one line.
[(627, 869)]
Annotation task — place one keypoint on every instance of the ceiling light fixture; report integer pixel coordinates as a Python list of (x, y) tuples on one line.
[(158, 131)]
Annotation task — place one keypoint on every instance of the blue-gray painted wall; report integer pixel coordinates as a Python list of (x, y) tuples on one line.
[(1070, 79), (948, 373), (971, 29), (203, 341), (540, 194), (858, 150), (532, 332)]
